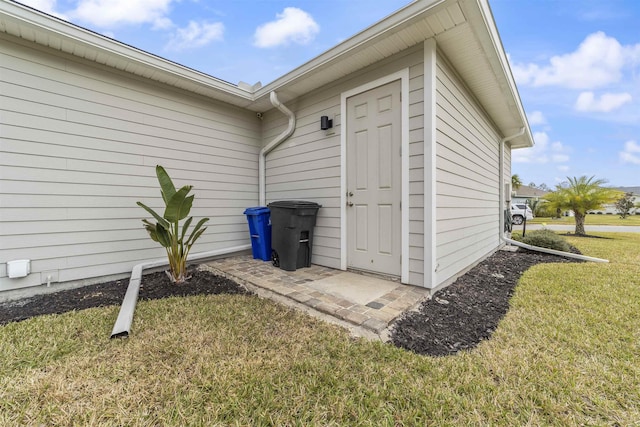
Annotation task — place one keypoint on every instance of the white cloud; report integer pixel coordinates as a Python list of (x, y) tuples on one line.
[(195, 35), (535, 154), (162, 23), (608, 102), (563, 168), (542, 152), (559, 153), (110, 13), (293, 25), (598, 61), (536, 118), (46, 6), (631, 153)]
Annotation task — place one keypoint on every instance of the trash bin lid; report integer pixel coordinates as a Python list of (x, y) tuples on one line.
[(294, 204), (257, 210)]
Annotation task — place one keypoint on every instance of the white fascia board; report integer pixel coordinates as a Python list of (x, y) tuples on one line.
[(497, 48), (52, 26)]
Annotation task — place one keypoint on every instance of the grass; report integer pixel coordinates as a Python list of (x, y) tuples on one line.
[(589, 220), (565, 354)]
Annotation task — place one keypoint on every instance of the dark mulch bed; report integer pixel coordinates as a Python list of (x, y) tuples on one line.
[(463, 314), (456, 318), (154, 286)]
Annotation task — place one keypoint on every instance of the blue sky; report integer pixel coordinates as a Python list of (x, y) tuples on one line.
[(576, 63)]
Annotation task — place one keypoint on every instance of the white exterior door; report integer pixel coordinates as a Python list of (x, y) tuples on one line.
[(374, 179)]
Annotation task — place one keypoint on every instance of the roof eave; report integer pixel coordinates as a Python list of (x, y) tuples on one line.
[(25, 19), (25, 22), (509, 86), (352, 45)]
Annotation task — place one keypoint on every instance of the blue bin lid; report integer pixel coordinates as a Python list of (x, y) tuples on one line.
[(256, 210)]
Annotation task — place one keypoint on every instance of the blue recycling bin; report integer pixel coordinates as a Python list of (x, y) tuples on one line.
[(260, 231)]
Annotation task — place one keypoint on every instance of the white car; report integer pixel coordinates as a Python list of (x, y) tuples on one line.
[(518, 213)]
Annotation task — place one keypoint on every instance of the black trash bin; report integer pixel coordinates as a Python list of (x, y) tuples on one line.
[(292, 223)]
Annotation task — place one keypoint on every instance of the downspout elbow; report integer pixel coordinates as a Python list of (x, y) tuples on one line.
[(509, 138), (291, 127)]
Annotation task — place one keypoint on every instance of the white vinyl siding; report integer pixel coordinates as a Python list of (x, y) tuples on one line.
[(307, 165), (416, 173), (466, 178), (78, 147), (79, 143)]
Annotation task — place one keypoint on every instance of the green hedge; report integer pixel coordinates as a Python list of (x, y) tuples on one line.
[(545, 239)]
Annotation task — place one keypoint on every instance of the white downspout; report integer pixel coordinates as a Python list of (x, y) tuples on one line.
[(501, 177), (262, 173), (502, 207), (125, 316)]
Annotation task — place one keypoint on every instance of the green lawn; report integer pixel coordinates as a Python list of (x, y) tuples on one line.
[(567, 353), (589, 220)]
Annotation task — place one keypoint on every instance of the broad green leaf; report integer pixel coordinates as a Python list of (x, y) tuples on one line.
[(167, 189), (196, 236), (151, 229), (179, 205), (185, 226), (164, 238), (161, 221), (192, 239)]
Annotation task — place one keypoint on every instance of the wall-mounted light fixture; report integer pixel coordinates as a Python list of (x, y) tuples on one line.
[(325, 123)]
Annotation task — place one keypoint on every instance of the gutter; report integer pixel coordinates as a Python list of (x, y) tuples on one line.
[(125, 316), (502, 199), (262, 174)]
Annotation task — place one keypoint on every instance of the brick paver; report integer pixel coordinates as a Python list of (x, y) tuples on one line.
[(375, 316)]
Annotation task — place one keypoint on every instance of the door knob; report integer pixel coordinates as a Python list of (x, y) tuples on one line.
[(350, 194), (349, 203)]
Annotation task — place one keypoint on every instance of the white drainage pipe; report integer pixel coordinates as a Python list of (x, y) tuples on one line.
[(125, 316), (553, 251), (501, 198)]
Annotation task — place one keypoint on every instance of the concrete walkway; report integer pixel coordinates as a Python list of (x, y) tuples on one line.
[(588, 228), (364, 304)]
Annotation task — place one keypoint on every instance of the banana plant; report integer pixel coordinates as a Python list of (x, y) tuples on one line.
[(167, 231)]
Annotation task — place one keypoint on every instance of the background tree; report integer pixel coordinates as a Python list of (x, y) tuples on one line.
[(582, 195), (536, 207), (555, 202), (624, 205), (516, 182)]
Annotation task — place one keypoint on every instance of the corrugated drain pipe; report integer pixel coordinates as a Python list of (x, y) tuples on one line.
[(262, 171), (125, 316), (503, 206)]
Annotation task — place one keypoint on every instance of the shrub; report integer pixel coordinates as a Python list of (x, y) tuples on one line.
[(545, 210), (167, 231), (546, 239), (624, 205)]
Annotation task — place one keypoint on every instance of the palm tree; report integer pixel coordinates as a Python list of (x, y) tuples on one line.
[(581, 195), (516, 183)]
